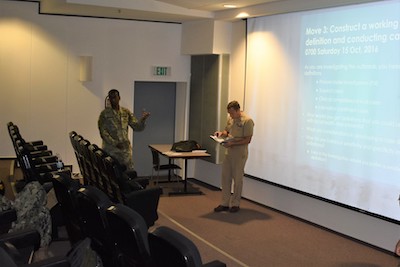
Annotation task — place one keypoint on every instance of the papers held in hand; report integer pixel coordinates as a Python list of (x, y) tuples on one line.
[(220, 140)]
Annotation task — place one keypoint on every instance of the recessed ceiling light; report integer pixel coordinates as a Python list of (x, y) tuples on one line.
[(242, 15), (229, 6)]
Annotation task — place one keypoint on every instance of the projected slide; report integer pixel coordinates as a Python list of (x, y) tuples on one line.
[(339, 137)]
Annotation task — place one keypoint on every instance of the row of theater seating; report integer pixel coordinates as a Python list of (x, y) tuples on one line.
[(119, 234), (105, 173), (107, 182), (36, 162), (115, 217), (91, 163), (33, 157)]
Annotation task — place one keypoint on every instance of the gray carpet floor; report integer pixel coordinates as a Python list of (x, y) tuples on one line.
[(258, 236)]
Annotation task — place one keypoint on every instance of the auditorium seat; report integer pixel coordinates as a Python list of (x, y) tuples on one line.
[(65, 189), (79, 255), (88, 176), (105, 173), (170, 248), (14, 133), (21, 243), (34, 158), (129, 232), (100, 169), (92, 206), (75, 139), (143, 201)]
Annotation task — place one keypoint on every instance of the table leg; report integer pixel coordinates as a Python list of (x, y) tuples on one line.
[(169, 171), (185, 190)]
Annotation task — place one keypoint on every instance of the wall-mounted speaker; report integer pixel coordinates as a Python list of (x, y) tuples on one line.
[(85, 68)]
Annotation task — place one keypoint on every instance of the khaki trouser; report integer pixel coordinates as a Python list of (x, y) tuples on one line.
[(232, 173)]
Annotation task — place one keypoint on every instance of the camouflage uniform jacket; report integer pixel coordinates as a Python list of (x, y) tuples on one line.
[(30, 205), (113, 127)]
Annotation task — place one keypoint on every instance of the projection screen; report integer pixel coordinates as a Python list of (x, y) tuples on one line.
[(323, 88)]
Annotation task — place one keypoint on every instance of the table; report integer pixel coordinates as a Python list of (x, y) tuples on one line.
[(165, 150)]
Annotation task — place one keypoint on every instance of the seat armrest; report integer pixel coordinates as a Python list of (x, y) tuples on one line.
[(132, 174), (40, 148), (8, 216), (171, 247), (44, 159), (40, 153), (57, 261), (31, 148), (215, 263), (127, 185), (22, 238), (36, 143), (142, 181)]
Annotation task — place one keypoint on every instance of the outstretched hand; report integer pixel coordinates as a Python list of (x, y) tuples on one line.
[(145, 115)]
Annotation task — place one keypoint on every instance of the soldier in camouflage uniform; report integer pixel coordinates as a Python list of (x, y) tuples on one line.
[(32, 213), (113, 126)]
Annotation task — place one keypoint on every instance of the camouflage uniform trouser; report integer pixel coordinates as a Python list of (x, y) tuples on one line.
[(123, 156), (30, 205)]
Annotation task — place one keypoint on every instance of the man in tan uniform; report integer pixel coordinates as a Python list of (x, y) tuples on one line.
[(113, 126), (238, 131)]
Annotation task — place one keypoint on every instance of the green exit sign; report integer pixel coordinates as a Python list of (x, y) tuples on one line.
[(161, 71)]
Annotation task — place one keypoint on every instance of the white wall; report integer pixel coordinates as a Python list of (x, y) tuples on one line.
[(39, 71), (204, 37)]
